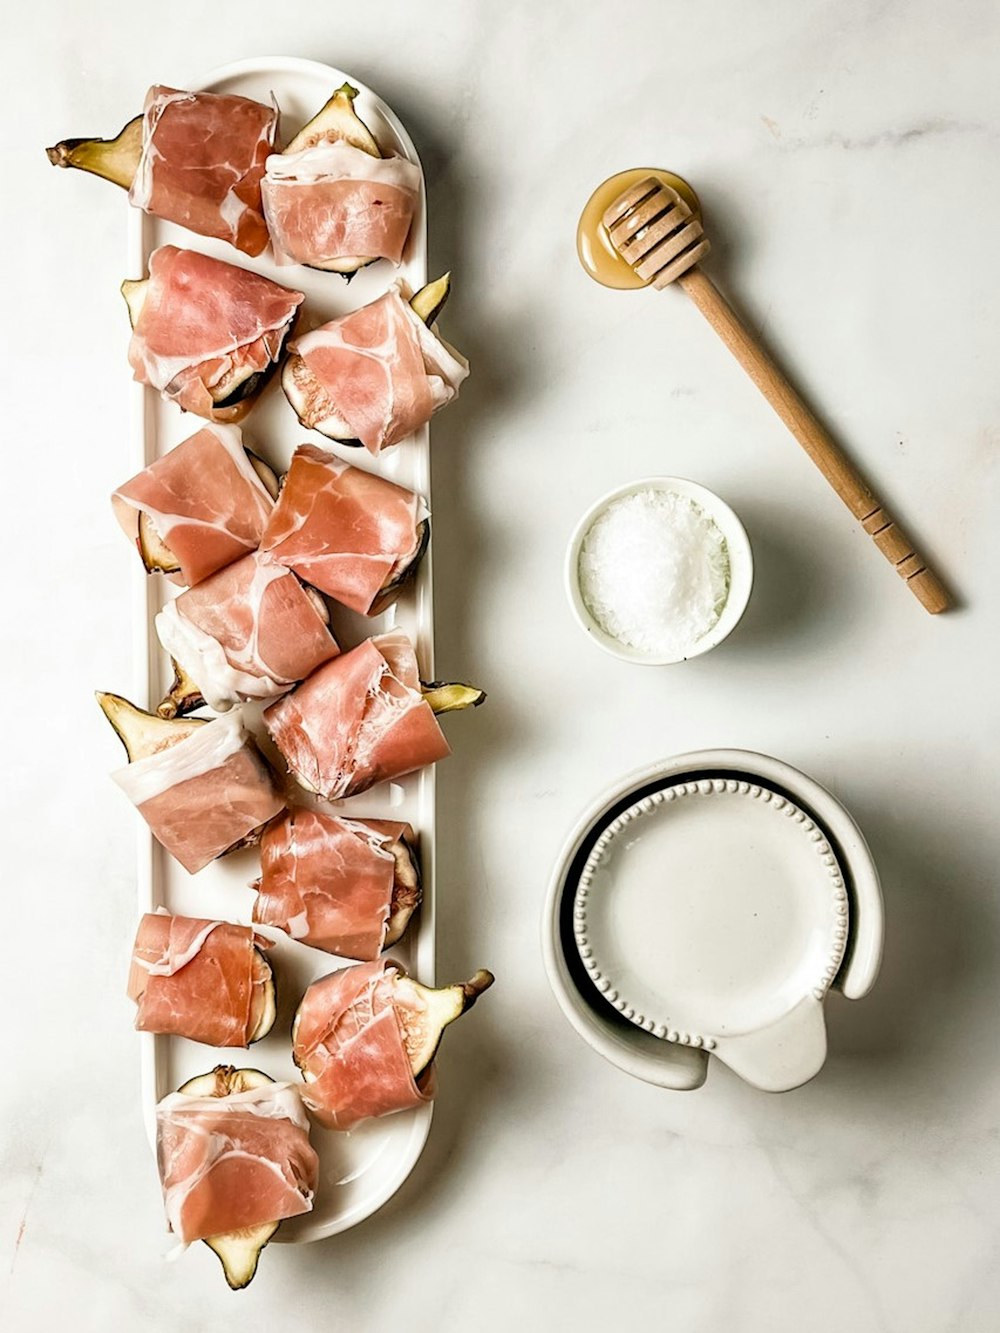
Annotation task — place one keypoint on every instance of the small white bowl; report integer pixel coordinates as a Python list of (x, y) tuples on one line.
[(740, 569)]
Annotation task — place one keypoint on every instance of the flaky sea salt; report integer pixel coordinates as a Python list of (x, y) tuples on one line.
[(654, 572)]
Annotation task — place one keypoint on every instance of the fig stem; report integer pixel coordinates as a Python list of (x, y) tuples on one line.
[(474, 987)]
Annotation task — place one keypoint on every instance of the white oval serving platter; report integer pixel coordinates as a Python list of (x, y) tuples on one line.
[(713, 913), (359, 1171)]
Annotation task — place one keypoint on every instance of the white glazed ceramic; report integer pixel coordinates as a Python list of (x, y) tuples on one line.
[(361, 1170), (636, 1050), (714, 914), (740, 569)]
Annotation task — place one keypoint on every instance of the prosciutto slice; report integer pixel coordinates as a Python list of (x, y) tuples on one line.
[(204, 327), (206, 502), (232, 1162), (380, 369), (198, 979), (358, 720), (206, 794), (335, 201), (249, 631), (203, 157), (328, 882), (349, 1045), (348, 532)]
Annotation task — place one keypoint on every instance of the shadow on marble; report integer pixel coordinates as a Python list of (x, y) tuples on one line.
[(798, 595), (938, 978)]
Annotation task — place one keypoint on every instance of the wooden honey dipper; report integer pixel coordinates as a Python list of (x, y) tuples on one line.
[(660, 236)]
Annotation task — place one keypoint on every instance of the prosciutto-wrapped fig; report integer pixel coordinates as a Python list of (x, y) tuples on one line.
[(202, 786), (208, 981), (199, 507), (249, 631), (365, 1038), (205, 333), (361, 719), (348, 886), (196, 159), (348, 532), (235, 1160), (374, 376), (332, 200)]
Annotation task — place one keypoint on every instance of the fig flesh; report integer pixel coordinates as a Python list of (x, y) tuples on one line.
[(423, 1013), (406, 891), (144, 734)]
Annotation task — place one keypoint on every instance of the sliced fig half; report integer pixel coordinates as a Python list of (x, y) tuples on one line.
[(134, 291), (156, 554), (115, 160), (144, 734), (268, 477), (234, 387), (238, 1251), (406, 891), (403, 572), (451, 696), (184, 695), (264, 999), (429, 301), (424, 1014), (311, 403), (336, 121)]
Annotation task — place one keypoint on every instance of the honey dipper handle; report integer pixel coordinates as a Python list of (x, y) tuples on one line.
[(824, 451)]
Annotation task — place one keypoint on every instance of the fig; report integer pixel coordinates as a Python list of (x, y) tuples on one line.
[(310, 402), (424, 1013), (144, 734), (115, 160), (238, 1251), (451, 697), (406, 891), (399, 578), (156, 553), (337, 120)]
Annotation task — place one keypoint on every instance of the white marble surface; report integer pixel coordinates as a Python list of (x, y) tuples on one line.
[(847, 158)]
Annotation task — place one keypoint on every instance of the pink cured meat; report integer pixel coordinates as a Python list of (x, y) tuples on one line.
[(335, 201), (328, 882), (344, 530), (358, 720), (206, 793), (250, 631), (232, 1162), (203, 157), (348, 1040), (207, 503), (203, 323), (195, 978), (380, 369)]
